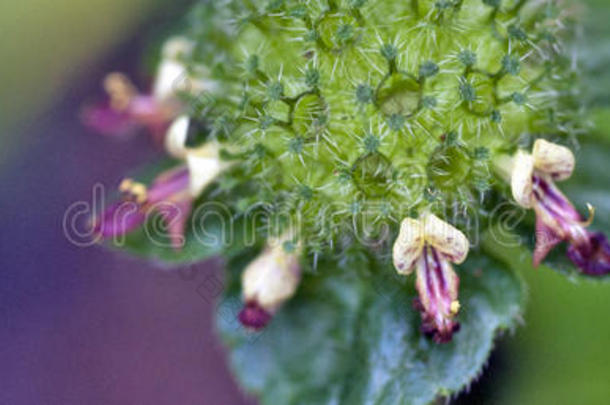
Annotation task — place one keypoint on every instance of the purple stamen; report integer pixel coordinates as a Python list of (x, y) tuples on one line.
[(437, 285)]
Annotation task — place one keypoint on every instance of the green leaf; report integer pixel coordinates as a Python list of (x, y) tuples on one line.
[(352, 337)]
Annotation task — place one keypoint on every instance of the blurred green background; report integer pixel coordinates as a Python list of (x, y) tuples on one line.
[(45, 45), (558, 356)]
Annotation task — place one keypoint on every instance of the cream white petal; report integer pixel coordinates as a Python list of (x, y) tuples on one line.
[(522, 179), (272, 278), (175, 138), (555, 160), (205, 166), (177, 47), (173, 75), (408, 246), (170, 79), (445, 238)]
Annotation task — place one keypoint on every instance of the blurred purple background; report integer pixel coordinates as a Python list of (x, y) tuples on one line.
[(86, 325)]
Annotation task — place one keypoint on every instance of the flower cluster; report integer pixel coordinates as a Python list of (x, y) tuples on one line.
[(128, 110), (337, 110), (171, 194)]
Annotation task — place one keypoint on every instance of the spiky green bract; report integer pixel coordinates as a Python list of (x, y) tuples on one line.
[(377, 109)]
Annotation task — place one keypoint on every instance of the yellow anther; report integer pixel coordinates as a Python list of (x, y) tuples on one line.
[(137, 191), (455, 307), (120, 90)]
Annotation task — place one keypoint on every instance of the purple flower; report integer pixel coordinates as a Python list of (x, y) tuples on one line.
[(533, 185), (170, 195), (429, 245), (128, 110)]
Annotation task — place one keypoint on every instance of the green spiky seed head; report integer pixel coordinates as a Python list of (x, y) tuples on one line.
[(380, 108)]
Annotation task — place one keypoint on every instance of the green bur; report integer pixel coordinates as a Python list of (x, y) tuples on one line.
[(378, 104), (348, 116)]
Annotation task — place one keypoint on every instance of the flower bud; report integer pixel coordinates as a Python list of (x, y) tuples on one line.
[(268, 281)]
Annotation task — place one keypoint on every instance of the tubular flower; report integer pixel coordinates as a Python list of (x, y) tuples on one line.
[(171, 195), (533, 186), (128, 109), (268, 281), (429, 245)]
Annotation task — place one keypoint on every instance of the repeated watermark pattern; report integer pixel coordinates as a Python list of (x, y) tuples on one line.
[(214, 224)]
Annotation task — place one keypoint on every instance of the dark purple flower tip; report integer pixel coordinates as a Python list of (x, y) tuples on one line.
[(440, 336), (592, 258), (253, 316), (439, 333)]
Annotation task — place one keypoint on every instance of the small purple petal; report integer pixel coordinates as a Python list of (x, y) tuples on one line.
[(143, 111), (546, 239), (593, 258), (150, 113), (547, 192), (557, 220), (168, 195), (120, 218), (176, 214), (108, 121), (168, 184), (252, 316)]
